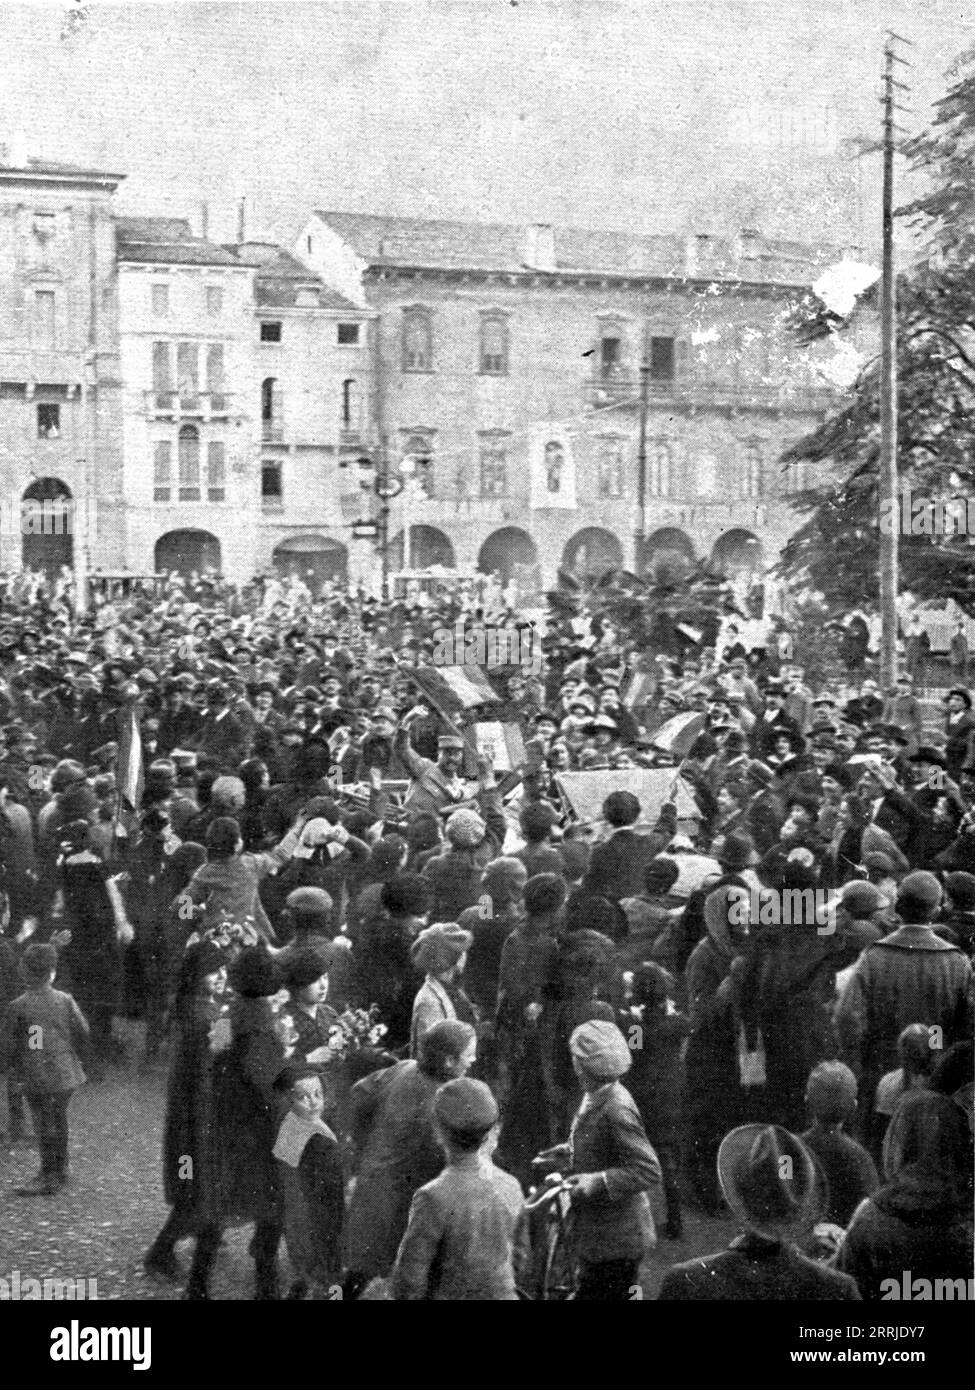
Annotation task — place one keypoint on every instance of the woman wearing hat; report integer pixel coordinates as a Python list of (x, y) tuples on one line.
[(441, 952), (612, 1168), (769, 1181), (245, 1113), (713, 1094), (189, 1104), (920, 1221), (959, 727), (396, 1146)]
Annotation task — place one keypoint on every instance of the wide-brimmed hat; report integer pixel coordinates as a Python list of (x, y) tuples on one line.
[(926, 753), (962, 692), (768, 1178)]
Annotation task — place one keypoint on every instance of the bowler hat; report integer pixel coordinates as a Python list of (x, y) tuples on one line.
[(962, 693), (927, 754)]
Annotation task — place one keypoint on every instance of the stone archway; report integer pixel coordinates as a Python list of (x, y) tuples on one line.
[(512, 555), (47, 526), (592, 551), (187, 552), (429, 547), (737, 552), (311, 558)]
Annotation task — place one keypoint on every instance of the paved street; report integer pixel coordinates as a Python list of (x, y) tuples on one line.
[(101, 1225)]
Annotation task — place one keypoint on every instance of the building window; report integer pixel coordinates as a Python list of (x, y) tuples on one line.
[(48, 421), (270, 331), (214, 301), (659, 461), (417, 341), (795, 475), (348, 334), (494, 346), (272, 491), (554, 466), (215, 377), (350, 407), (611, 467), (662, 359), (272, 410), (160, 300), (216, 472), (44, 225), (44, 319), (751, 478), (494, 468), (420, 452), (189, 464), (187, 375), (162, 375), (162, 471), (610, 355)]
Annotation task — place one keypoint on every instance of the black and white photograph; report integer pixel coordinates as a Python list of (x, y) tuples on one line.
[(487, 658)]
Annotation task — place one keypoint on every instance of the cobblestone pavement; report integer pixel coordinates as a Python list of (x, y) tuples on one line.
[(100, 1226)]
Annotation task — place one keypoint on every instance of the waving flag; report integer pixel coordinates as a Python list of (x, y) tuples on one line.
[(129, 764)]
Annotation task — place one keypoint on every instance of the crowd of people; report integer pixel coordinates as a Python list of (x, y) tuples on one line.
[(395, 991)]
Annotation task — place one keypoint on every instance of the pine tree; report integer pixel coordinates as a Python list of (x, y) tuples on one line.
[(835, 551)]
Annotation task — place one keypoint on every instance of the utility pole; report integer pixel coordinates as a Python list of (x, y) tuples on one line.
[(641, 459), (887, 481)]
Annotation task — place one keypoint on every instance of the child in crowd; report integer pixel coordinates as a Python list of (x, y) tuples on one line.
[(466, 1234), (849, 1171), (309, 1162), (44, 1037), (917, 1059)]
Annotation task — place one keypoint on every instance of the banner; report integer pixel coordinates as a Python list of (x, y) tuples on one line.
[(652, 786)]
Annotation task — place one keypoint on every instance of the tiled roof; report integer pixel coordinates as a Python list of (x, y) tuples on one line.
[(166, 241), (280, 277), (402, 241), (47, 166)]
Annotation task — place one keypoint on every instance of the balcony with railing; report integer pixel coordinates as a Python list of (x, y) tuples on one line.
[(201, 405), (623, 388)]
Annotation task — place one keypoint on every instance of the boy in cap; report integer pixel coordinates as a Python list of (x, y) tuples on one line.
[(466, 1234), (309, 1163)]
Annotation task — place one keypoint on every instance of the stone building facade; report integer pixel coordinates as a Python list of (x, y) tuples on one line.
[(508, 377), (60, 383)]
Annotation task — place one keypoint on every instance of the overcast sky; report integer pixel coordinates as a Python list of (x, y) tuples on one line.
[(647, 116)]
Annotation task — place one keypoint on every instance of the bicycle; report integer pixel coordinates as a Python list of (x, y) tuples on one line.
[(557, 1274)]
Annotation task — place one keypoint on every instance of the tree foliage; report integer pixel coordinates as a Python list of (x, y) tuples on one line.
[(835, 551)]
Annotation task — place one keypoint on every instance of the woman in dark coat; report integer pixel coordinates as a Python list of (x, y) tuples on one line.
[(921, 1219), (187, 1155), (397, 1147), (246, 1114), (713, 1099), (95, 916)]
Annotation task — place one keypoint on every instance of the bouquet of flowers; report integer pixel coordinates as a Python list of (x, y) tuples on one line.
[(227, 933), (355, 1030)]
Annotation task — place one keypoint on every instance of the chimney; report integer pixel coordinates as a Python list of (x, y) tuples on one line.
[(204, 221), (240, 221), (539, 246), (17, 155), (748, 240)]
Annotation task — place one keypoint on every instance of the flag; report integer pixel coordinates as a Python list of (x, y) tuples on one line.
[(453, 688), (129, 764), (503, 742)]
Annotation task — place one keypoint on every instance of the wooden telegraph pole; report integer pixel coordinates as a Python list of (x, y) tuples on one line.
[(887, 482)]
